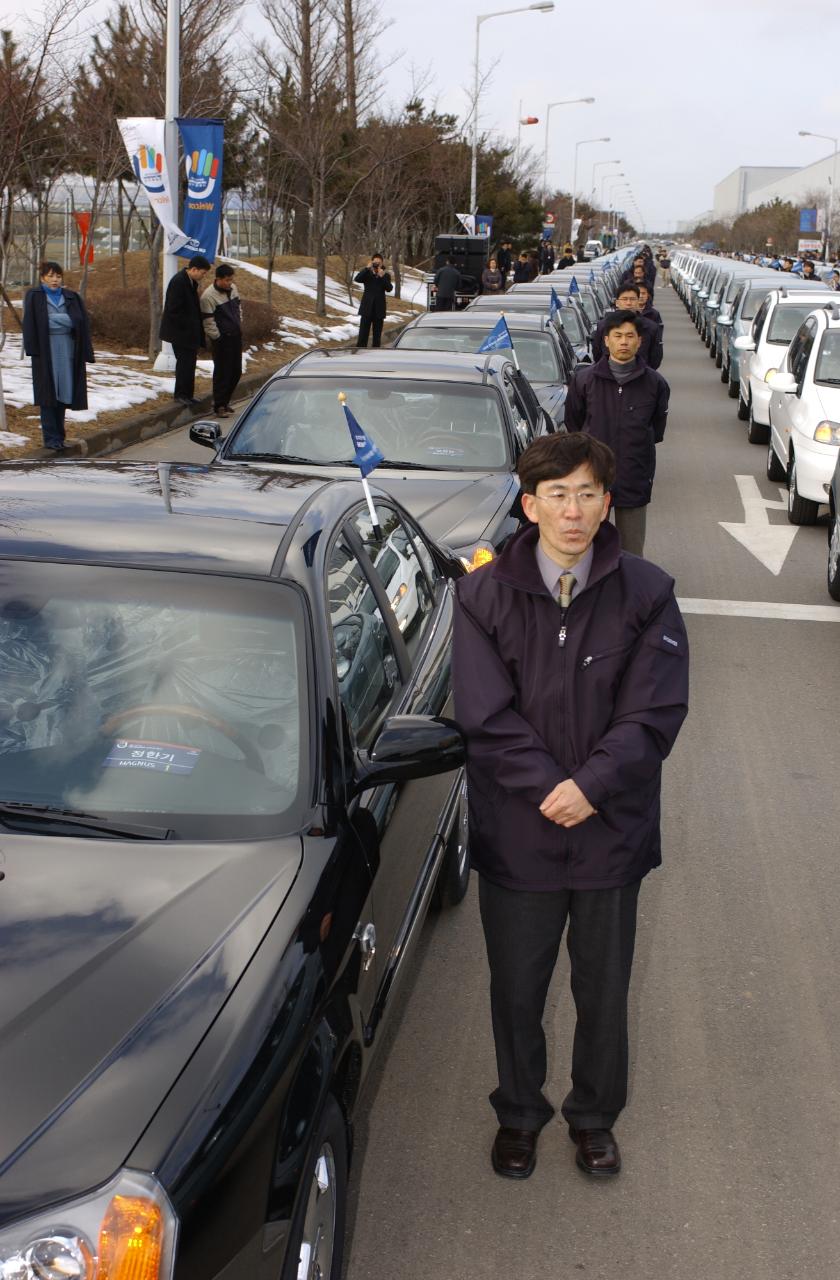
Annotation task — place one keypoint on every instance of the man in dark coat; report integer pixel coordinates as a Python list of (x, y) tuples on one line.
[(623, 402), (649, 312), (181, 325), (377, 282), (447, 284), (36, 343), (221, 313), (629, 298), (570, 670), (504, 260)]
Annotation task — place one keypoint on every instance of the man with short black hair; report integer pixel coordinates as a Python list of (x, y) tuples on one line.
[(623, 402), (372, 308), (570, 675), (221, 312), (629, 298), (447, 283), (180, 324)]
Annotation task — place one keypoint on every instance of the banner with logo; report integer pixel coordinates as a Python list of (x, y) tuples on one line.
[(144, 141), (467, 221), (202, 141)]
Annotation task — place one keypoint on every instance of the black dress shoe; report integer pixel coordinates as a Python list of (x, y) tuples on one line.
[(515, 1152), (597, 1152)]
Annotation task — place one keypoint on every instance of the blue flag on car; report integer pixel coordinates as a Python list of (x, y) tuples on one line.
[(574, 287), (367, 455), (591, 276), (556, 304), (498, 339)]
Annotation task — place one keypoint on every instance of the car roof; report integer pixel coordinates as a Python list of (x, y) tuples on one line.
[(479, 319), (786, 294), (152, 515), (392, 362)]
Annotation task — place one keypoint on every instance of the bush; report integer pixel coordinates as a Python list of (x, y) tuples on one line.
[(258, 322), (122, 316)]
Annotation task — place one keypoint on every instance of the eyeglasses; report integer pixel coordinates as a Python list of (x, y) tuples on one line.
[(559, 500)]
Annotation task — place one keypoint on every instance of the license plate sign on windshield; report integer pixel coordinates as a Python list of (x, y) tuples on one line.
[(160, 757)]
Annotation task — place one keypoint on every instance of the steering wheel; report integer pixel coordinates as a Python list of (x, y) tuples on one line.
[(252, 756), (441, 440)]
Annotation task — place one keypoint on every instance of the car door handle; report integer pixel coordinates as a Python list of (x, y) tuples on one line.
[(365, 935)]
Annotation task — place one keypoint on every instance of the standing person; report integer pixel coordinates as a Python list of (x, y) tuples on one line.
[(570, 675), (649, 311), (181, 325), (221, 312), (546, 257), (522, 269), (568, 259), (629, 298), (623, 402), (447, 283), (491, 278), (665, 268), (533, 265), (377, 282), (504, 260), (809, 271), (56, 334)]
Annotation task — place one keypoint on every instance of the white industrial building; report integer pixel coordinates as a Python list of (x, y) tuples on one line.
[(751, 185)]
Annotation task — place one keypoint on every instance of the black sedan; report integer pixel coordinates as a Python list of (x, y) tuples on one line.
[(228, 795), (451, 428)]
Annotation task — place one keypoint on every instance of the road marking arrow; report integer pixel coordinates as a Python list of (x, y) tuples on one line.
[(769, 543)]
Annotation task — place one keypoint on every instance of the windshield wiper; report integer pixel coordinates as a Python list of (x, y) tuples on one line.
[(411, 466), (281, 457), (19, 811)]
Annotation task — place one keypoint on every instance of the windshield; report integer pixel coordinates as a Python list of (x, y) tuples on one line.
[(174, 700), (827, 368), (438, 425), (535, 351), (786, 320)]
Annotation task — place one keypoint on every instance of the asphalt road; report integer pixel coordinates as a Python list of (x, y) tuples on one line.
[(732, 1130)]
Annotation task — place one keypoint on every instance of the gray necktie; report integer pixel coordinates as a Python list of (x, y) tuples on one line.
[(567, 584)]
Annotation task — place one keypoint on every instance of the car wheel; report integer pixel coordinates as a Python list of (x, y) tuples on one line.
[(834, 559), (318, 1247), (724, 373), (744, 410), (719, 359), (757, 432), (800, 510), (454, 875), (733, 390), (775, 467), (712, 350)]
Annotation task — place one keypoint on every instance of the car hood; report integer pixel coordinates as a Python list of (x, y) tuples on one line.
[(457, 510), (552, 397), (116, 958)]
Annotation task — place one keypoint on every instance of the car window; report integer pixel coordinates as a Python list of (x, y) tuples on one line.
[(801, 363), (571, 322), (827, 368), (796, 347), (366, 666), (785, 322), (520, 417), (760, 317), (439, 425), (752, 302), (393, 554)]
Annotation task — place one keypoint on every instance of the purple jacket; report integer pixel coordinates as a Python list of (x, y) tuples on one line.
[(597, 694), (630, 419)]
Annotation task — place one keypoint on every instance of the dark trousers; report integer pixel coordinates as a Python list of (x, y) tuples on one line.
[(365, 324), (444, 304), (227, 368), (52, 424), (631, 523), (185, 358), (523, 931)]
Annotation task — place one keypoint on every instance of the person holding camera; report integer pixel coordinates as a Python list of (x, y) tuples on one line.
[(377, 282)]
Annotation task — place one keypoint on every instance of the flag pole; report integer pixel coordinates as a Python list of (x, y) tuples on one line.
[(512, 347), (342, 400)]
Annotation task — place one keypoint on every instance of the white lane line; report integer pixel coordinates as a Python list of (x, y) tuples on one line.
[(761, 609)]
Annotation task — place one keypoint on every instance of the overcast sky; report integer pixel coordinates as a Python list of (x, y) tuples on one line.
[(685, 91)]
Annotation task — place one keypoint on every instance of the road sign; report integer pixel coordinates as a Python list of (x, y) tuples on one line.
[(769, 543), (809, 246), (548, 218)]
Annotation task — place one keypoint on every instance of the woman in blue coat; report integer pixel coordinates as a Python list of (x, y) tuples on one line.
[(56, 334)]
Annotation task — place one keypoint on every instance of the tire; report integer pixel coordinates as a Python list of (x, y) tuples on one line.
[(317, 1247), (744, 410), (718, 358), (800, 510), (833, 575), (733, 390), (724, 373), (712, 350), (775, 467), (757, 432), (454, 875)]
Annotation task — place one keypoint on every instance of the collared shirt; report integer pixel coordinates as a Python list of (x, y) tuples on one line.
[(552, 572)]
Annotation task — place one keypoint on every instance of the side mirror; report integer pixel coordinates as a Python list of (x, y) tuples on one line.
[(208, 434), (784, 382), (410, 747), (744, 343)]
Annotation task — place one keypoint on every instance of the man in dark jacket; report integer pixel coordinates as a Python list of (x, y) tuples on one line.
[(504, 260), (377, 282), (221, 312), (447, 284), (623, 402), (181, 325), (640, 273), (629, 298), (649, 312), (570, 668)]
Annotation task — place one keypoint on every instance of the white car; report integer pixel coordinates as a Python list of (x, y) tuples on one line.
[(760, 351), (592, 249), (805, 414)]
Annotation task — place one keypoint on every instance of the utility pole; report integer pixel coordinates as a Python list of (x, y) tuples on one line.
[(165, 361)]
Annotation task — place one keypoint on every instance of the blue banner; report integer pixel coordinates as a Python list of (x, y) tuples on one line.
[(591, 276), (556, 304), (807, 220), (574, 287), (203, 141), (498, 339), (367, 455)]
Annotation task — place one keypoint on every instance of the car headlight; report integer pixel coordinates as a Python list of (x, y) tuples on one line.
[(124, 1231), (827, 432), (769, 374), (474, 557)]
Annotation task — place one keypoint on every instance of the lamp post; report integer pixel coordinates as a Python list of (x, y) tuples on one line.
[(165, 359), (608, 177), (526, 120), (826, 137), (613, 214), (566, 102), (598, 165), (583, 143), (543, 6)]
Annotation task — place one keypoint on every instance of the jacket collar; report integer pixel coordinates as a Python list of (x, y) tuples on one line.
[(517, 565), (601, 369)]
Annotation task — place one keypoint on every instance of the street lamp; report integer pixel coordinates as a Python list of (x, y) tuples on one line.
[(826, 137), (544, 6), (597, 165), (620, 186), (583, 143), (566, 102)]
